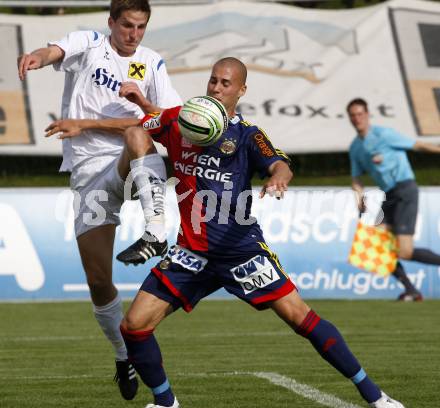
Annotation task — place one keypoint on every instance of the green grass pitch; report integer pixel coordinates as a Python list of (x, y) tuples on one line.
[(53, 355)]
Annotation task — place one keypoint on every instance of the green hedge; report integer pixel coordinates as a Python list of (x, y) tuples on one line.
[(309, 169)]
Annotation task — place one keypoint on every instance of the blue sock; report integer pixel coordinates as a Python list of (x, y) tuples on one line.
[(329, 343), (144, 353)]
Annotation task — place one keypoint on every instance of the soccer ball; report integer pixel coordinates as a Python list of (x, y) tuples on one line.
[(202, 120)]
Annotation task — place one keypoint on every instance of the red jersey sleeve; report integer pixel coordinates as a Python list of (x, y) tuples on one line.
[(160, 124)]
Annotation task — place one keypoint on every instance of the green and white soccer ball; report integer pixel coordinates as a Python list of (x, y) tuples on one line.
[(202, 120)]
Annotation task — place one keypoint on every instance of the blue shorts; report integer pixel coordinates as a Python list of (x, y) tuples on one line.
[(183, 277)]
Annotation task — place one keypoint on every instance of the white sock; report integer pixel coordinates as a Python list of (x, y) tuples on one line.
[(149, 175), (109, 318)]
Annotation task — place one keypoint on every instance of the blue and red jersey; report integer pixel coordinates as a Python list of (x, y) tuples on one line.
[(214, 190)]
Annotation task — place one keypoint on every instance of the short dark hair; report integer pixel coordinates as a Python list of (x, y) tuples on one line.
[(242, 70), (117, 7), (358, 101)]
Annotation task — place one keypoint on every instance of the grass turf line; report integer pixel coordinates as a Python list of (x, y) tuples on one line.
[(53, 355)]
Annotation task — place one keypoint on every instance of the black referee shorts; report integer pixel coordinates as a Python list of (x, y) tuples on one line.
[(400, 207)]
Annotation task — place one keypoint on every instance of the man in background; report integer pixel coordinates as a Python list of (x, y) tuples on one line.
[(381, 152)]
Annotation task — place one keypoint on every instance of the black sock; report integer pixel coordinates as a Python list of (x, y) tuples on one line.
[(400, 274), (425, 256)]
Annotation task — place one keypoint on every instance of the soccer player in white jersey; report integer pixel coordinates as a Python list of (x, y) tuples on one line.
[(103, 77)]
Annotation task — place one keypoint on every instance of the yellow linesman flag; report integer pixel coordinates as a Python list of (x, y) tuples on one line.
[(374, 249)]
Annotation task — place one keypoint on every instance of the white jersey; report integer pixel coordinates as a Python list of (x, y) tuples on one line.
[(94, 73)]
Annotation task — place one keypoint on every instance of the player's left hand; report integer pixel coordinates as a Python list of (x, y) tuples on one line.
[(64, 128), (279, 180), (274, 188)]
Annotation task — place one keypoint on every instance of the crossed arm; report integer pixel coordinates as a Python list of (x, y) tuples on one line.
[(66, 128)]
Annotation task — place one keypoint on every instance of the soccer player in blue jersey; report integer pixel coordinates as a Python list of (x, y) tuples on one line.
[(381, 152), (221, 245)]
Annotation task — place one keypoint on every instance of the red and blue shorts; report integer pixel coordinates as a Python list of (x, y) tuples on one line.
[(183, 278)]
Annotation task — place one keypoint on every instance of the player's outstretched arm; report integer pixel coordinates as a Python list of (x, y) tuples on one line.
[(66, 128), (38, 59), (426, 147), (278, 182), (132, 93)]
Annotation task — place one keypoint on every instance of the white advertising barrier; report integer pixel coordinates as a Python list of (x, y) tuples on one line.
[(304, 66), (311, 230)]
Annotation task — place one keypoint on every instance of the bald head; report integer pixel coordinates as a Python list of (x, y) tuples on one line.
[(228, 82), (236, 65)]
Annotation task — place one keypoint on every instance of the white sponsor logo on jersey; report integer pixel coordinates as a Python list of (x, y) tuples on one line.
[(152, 123), (256, 273), (187, 259), (204, 160)]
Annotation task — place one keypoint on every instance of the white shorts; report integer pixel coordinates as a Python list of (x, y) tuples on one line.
[(98, 193)]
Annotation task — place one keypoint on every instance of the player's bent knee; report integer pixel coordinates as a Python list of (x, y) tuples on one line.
[(137, 140), (130, 335), (128, 325), (131, 135), (146, 312), (133, 323), (131, 132)]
